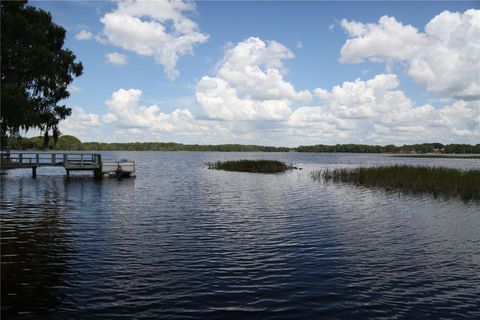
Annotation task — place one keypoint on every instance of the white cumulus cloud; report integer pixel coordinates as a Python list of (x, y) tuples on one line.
[(376, 111), (109, 118), (370, 111), (444, 58), (84, 35), (83, 119), (248, 100), (124, 105), (116, 58), (81, 124), (249, 84), (127, 113), (153, 28)]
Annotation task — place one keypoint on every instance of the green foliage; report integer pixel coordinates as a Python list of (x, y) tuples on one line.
[(462, 148), (37, 143), (35, 70), (19, 143), (257, 166), (68, 143), (415, 148), (354, 148), (172, 146), (438, 181), (72, 143)]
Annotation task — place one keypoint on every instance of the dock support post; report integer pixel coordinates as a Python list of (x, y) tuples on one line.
[(34, 172), (97, 173), (68, 173)]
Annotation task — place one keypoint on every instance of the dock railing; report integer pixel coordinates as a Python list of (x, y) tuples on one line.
[(110, 165), (80, 161), (74, 161), (70, 161)]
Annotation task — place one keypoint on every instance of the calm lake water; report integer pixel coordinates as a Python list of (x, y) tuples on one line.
[(184, 242)]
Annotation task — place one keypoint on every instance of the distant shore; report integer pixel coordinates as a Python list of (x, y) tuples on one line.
[(436, 156), (71, 143)]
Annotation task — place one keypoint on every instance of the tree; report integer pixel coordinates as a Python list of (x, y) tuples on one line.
[(35, 71), (67, 142)]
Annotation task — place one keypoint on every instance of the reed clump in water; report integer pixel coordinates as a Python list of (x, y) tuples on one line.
[(438, 181), (257, 166)]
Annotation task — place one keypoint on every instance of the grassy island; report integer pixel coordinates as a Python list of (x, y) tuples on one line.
[(438, 181), (257, 166)]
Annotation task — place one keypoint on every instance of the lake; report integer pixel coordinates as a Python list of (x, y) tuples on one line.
[(181, 241)]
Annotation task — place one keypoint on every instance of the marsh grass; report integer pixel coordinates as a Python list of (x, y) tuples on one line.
[(257, 166), (437, 181)]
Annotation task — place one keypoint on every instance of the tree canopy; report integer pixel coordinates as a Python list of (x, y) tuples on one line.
[(35, 71)]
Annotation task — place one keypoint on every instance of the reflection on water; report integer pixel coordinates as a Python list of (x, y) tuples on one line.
[(35, 247), (182, 241)]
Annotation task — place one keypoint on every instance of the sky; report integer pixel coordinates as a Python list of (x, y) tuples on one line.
[(273, 73)]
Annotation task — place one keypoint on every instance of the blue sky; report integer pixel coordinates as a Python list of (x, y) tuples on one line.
[(266, 72)]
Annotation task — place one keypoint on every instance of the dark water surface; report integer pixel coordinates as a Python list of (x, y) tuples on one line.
[(181, 241)]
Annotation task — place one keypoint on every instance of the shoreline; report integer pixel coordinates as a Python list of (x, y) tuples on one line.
[(386, 154)]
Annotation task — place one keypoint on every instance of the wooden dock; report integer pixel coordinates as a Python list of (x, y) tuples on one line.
[(70, 161)]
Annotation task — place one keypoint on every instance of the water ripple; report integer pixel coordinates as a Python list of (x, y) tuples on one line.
[(185, 242)]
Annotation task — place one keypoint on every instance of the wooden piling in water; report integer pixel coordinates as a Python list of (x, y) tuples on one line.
[(98, 173)]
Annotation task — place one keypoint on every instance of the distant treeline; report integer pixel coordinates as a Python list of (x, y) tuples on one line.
[(67, 142), (413, 148)]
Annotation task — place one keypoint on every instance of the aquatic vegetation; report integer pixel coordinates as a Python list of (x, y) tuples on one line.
[(258, 166), (437, 181)]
